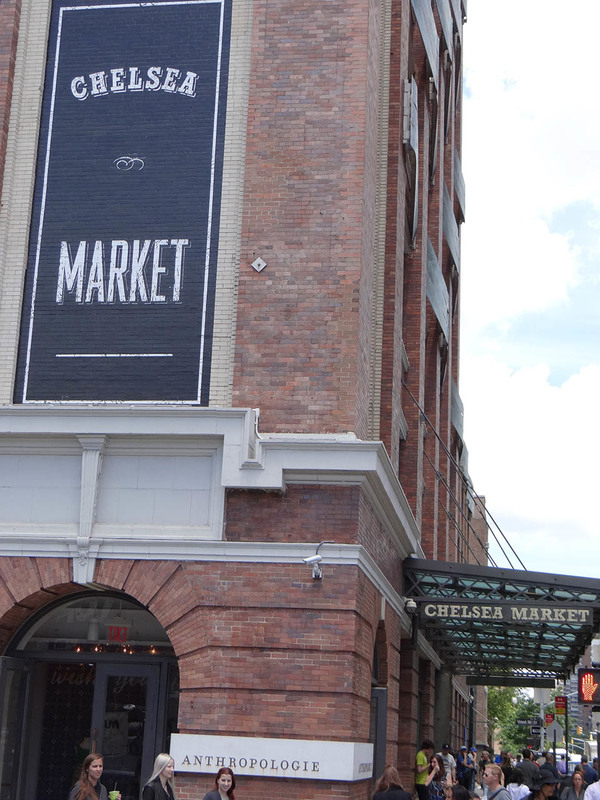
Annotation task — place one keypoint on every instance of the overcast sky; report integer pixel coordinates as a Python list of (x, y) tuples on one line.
[(530, 350)]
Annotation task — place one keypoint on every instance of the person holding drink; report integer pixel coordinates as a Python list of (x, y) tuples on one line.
[(88, 787)]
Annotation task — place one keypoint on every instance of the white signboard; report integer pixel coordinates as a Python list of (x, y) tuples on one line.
[(555, 728), (273, 758)]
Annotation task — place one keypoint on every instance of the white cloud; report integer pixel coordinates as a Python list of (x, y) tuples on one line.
[(530, 153), (534, 455)]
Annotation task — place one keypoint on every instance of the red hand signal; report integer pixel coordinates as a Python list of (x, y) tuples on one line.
[(588, 687)]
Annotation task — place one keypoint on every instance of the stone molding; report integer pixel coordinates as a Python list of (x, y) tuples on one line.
[(240, 456)]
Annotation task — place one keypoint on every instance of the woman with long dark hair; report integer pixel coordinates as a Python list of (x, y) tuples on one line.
[(457, 792), (506, 767), (224, 786), (389, 787), (516, 787), (159, 785), (88, 787), (437, 779)]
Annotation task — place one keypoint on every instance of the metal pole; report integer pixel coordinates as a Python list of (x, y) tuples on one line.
[(472, 718), (567, 730)]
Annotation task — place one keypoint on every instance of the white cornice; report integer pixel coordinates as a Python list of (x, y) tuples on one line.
[(247, 460), (250, 460)]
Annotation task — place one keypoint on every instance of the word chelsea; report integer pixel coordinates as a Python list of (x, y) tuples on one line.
[(143, 270), (132, 79)]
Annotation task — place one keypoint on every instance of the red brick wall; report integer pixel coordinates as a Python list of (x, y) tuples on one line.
[(300, 514), (293, 649), (297, 348), (394, 721), (264, 650), (10, 12), (426, 473), (310, 514), (378, 542), (195, 787), (414, 708), (395, 244), (344, 515)]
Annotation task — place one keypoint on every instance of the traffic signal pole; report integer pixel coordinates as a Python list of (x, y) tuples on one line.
[(566, 735)]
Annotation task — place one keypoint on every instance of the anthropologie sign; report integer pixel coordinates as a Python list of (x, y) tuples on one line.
[(575, 615), (276, 758), (119, 297)]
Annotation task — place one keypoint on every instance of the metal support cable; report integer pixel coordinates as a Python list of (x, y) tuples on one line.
[(448, 488), (461, 535), (482, 509)]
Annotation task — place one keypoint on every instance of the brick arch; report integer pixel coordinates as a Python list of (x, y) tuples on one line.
[(163, 588), (27, 584), (180, 595)]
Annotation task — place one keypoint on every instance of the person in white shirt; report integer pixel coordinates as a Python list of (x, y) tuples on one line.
[(593, 791), (449, 761), (516, 787)]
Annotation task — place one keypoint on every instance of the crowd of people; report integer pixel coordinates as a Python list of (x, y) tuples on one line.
[(466, 775), (470, 774), (159, 785)]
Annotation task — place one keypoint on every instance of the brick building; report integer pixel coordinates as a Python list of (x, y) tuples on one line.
[(229, 295)]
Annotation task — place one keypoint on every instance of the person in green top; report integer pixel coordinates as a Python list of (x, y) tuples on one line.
[(421, 767)]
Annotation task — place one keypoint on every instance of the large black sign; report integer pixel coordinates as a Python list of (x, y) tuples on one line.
[(122, 258)]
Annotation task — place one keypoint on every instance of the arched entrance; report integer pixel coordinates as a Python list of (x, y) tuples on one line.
[(94, 673)]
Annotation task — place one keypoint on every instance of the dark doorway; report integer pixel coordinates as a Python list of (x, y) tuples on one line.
[(67, 690)]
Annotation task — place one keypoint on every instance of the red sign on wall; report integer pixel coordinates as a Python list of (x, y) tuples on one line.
[(117, 633)]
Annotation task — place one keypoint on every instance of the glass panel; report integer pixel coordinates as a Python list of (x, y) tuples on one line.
[(66, 692), (123, 735), (14, 690), (97, 624), (172, 705)]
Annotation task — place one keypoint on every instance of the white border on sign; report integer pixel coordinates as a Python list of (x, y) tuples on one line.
[(273, 758), (210, 206)]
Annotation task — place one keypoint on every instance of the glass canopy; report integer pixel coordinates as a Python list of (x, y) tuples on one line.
[(503, 626)]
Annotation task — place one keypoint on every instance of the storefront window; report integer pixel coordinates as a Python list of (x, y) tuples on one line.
[(97, 624)]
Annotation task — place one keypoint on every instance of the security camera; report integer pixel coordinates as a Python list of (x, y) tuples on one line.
[(316, 559), (410, 606)]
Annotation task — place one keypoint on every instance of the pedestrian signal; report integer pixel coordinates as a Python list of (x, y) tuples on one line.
[(588, 685)]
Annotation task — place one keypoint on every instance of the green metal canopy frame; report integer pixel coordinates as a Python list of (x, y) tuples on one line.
[(503, 626)]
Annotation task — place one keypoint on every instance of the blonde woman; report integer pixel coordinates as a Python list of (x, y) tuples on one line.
[(159, 785)]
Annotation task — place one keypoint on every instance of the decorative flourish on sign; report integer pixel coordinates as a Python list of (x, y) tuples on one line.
[(125, 163)]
